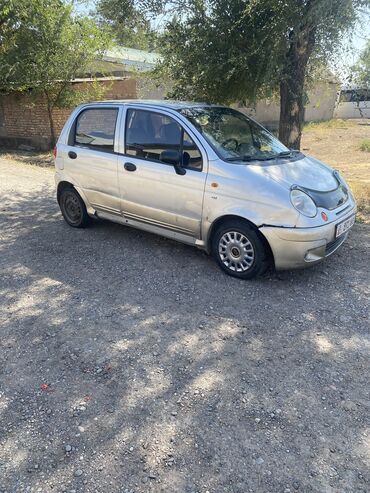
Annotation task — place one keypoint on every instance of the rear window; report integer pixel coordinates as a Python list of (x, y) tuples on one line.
[(95, 128)]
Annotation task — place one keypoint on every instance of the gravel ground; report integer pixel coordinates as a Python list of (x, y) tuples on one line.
[(130, 363)]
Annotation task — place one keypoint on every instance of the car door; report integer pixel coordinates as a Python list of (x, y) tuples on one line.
[(90, 157), (151, 191)]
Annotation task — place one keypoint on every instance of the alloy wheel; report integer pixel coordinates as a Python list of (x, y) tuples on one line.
[(236, 251)]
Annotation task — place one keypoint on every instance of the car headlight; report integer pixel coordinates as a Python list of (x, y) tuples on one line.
[(303, 203)]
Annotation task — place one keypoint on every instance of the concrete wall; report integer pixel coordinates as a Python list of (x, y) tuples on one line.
[(322, 99), (25, 121), (321, 104)]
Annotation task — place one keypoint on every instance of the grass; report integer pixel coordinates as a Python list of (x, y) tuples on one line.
[(365, 145), (329, 124), (361, 191), (343, 144)]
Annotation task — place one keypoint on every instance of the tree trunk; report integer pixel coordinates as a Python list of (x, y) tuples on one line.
[(292, 91), (51, 121)]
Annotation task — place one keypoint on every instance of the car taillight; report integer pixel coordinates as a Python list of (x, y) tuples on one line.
[(55, 152)]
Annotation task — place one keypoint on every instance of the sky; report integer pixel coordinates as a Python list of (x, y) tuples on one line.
[(354, 47)]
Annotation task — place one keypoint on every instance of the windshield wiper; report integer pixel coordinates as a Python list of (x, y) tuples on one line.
[(279, 154), (241, 158), (288, 153), (248, 157)]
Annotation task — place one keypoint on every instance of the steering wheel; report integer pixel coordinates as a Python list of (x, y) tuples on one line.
[(229, 141)]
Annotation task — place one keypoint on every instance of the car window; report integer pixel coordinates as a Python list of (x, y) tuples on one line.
[(149, 133), (95, 128)]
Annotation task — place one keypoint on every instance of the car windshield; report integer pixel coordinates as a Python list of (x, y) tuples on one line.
[(234, 136)]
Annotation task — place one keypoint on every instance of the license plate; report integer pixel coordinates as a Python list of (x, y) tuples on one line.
[(344, 226)]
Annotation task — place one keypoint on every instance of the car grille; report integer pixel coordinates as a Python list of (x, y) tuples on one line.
[(333, 245)]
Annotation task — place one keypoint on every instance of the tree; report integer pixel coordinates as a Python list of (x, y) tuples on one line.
[(361, 71), (227, 51), (129, 26), (43, 48)]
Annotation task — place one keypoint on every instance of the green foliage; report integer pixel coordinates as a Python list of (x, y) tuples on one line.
[(44, 47), (209, 55), (128, 25), (361, 71), (365, 145), (230, 51), (92, 91)]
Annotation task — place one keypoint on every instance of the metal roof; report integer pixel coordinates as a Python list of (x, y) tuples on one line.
[(136, 59)]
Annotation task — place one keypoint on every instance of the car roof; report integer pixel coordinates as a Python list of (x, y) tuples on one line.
[(159, 103)]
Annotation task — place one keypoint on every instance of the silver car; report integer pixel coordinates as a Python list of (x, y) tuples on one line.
[(205, 175)]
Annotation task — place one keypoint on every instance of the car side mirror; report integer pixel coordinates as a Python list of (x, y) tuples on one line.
[(173, 157)]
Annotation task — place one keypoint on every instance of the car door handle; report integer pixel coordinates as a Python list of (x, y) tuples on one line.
[(72, 155), (130, 167)]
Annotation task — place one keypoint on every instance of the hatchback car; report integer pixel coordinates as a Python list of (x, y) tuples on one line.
[(205, 175)]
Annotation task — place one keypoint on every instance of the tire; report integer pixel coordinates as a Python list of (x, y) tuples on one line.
[(73, 208), (240, 250)]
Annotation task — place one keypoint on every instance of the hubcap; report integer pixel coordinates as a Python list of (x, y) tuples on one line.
[(72, 207), (236, 251)]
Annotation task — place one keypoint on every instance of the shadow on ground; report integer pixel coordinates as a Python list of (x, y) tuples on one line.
[(162, 374)]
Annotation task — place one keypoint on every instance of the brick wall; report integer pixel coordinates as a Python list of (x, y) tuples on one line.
[(24, 120)]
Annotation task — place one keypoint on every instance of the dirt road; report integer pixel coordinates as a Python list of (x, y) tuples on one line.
[(130, 363)]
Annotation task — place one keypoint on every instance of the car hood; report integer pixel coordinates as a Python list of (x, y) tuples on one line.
[(306, 172)]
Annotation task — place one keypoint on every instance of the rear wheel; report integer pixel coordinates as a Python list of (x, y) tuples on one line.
[(73, 208), (240, 250)]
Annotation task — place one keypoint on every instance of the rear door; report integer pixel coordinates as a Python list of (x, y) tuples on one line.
[(91, 159), (151, 190)]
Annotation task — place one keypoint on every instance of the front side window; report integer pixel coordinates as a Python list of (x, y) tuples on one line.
[(149, 133), (95, 128), (233, 135)]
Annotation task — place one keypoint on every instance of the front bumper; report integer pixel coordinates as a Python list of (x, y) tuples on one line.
[(295, 248)]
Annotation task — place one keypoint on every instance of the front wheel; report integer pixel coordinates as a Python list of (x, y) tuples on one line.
[(73, 208), (240, 250)]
